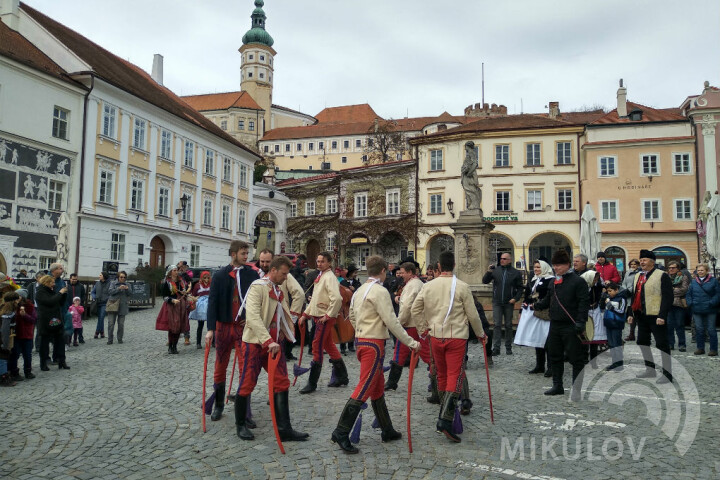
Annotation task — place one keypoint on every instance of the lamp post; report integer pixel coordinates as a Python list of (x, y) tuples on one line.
[(450, 206), (183, 203)]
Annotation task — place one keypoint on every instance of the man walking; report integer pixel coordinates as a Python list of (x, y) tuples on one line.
[(507, 290)]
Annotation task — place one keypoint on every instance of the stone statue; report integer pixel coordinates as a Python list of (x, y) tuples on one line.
[(469, 182), (61, 243)]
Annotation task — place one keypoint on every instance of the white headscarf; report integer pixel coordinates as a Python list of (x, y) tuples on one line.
[(546, 270)]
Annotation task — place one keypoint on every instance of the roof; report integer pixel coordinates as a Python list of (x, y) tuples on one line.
[(580, 118), (510, 122), (15, 46), (650, 115), (345, 172), (280, 107), (347, 114), (294, 181), (127, 76), (221, 101)]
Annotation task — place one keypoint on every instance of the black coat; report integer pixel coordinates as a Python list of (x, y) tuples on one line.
[(507, 284), (221, 292), (50, 305), (541, 289), (573, 295), (77, 290)]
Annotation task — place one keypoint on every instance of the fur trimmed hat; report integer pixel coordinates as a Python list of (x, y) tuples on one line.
[(561, 257), (647, 254)]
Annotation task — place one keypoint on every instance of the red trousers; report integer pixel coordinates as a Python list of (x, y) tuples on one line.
[(402, 351), (323, 341), (253, 357), (449, 358), (371, 353), (228, 336)]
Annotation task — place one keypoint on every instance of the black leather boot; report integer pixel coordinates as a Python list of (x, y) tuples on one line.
[(388, 433), (434, 396), (240, 412), (466, 403), (447, 413), (557, 389), (539, 362), (62, 365), (393, 376), (341, 373), (314, 375), (43, 365), (341, 434), (219, 405), (282, 411)]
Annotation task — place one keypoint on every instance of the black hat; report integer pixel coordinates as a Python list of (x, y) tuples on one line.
[(647, 254), (561, 257), (600, 254), (351, 268)]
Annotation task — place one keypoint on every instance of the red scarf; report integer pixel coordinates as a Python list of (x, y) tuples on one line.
[(637, 301)]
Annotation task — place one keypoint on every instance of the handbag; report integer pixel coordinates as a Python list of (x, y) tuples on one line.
[(112, 306), (542, 314)]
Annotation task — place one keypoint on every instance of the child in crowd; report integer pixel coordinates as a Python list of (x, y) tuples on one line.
[(614, 320), (7, 332), (77, 311)]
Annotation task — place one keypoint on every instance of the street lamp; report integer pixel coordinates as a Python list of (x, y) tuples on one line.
[(183, 203), (450, 205)]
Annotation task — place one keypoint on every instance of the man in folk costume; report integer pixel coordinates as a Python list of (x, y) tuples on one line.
[(323, 309), (445, 306), (268, 324), (410, 290), (371, 314), (650, 303), (226, 314)]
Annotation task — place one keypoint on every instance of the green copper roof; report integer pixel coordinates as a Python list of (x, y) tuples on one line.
[(257, 32)]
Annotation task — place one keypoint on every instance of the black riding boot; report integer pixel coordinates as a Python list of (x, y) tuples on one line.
[(393, 376), (314, 375), (466, 403), (434, 397), (282, 411), (341, 434), (240, 413), (388, 433), (447, 413), (341, 373), (219, 402), (539, 361)]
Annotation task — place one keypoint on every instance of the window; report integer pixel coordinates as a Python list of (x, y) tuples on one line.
[(55, 195), (163, 201), (136, 194), (392, 202), (262, 75), (564, 153), (311, 146), (109, 121), (681, 163), (651, 210), (608, 210), (364, 158), (187, 213), (250, 74), (358, 143), (242, 220), (243, 175), (502, 201), (266, 148), (608, 166), (683, 209), (290, 244), (189, 154), (251, 56), (565, 200), (534, 200), (117, 247), (277, 148), (287, 147), (650, 165), (321, 145), (310, 207), (209, 162), (436, 203), (207, 212), (370, 142), (343, 159), (333, 145), (105, 192), (331, 205), (241, 124), (298, 148), (60, 123), (227, 169), (502, 155), (194, 255), (360, 205), (165, 144), (45, 262), (139, 133), (364, 254), (346, 143), (436, 160), (223, 124), (262, 58), (293, 210), (225, 217), (251, 126), (532, 154), (330, 243)]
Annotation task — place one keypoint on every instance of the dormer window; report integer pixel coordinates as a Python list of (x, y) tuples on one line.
[(636, 115)]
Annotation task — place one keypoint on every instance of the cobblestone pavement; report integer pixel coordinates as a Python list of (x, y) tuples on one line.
[(132, 411)]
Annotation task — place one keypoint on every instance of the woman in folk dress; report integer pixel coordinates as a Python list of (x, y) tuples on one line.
[(533, 331)]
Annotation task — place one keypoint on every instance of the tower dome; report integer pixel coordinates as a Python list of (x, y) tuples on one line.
[(257, 32)]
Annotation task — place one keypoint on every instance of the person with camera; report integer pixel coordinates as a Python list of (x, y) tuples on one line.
[(50, 321), (507, 291)]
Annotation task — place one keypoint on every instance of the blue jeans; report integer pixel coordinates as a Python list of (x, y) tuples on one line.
[(614, 338), (676, 325), (705, 322), (101, 319)]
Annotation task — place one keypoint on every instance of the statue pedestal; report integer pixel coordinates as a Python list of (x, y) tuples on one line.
[(472, 252)]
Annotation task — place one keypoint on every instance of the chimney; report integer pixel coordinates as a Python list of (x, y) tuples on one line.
[(157, 69), (622, 101), (9, 13), (554, 111)]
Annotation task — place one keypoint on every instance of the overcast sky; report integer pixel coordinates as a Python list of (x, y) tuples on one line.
[(419, 56)]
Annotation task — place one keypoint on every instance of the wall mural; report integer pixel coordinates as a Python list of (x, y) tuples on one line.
[(25, 176)]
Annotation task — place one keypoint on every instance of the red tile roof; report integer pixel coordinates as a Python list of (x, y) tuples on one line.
[(348, 114), (295, 181), (579, 118), (221, 101), (649, 115), (127, 76), (15, 46)]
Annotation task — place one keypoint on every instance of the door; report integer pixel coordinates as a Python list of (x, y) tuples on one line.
[(312, 250), (157, 252)]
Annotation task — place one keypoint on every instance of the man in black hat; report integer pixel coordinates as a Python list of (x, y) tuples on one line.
[(568, 301), (650, 303)]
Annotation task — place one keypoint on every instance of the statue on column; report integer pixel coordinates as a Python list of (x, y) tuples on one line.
[(469, 181)]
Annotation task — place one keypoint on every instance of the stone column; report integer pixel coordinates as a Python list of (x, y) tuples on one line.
[(708, 125), (471, 250)]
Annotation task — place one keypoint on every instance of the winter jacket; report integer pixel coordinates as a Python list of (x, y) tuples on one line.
[(507, 284), (608, 272), (123, 295), (680, 288), (25, 329), (574, 298), (101, 292), (50, 305), (703, 296)]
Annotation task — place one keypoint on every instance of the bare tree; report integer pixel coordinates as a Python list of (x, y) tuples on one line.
[(384, 140)]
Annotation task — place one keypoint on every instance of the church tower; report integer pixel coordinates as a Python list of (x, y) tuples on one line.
[(256, 64)]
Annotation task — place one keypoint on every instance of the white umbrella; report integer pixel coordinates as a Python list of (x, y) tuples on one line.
[(590, 234), (712, 228)]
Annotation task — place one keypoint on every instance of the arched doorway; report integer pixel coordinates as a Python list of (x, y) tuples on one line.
[(616, 256), (497, 245), (157, 252), (667, 254), (312, 250), (545, 244), (392, 247), (437, 245)]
